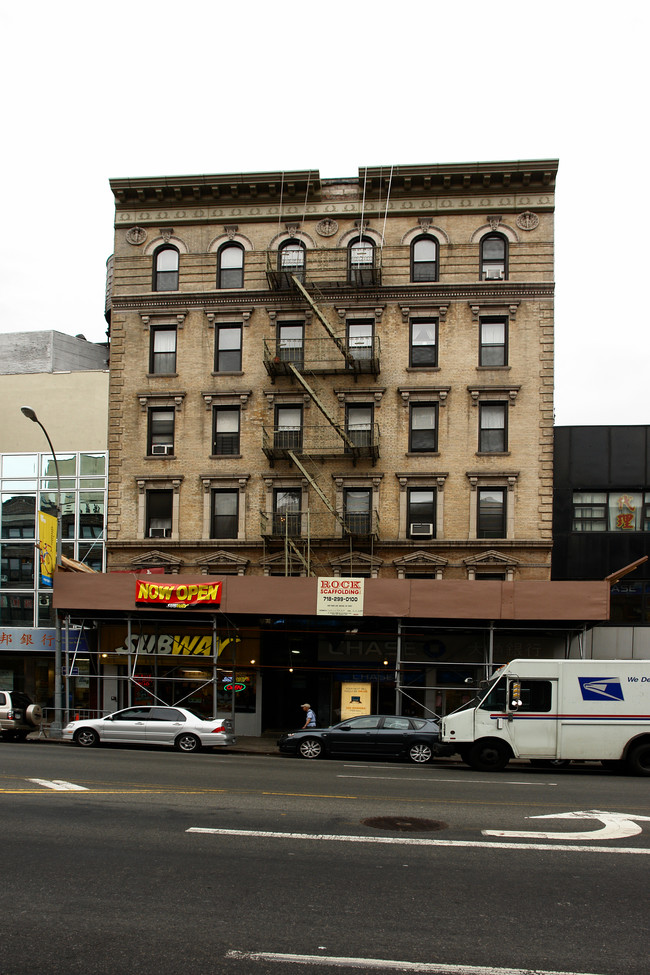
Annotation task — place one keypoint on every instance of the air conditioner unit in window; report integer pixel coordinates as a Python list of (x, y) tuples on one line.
[(162, 448), (160, 533), (494, 274), (421, 528)]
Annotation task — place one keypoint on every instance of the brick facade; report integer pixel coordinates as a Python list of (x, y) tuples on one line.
[(366, 383)]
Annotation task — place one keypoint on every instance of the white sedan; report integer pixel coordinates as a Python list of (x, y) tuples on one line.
[(152, 725)]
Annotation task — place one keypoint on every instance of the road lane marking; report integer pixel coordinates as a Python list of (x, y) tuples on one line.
[(385, 964), (616, 826), (415, 841), (59, 785)]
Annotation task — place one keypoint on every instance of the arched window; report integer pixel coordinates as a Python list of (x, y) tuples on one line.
[(424, 259), (494, 258), (230, 266), (291, 258), (165, 268), (361, 261)]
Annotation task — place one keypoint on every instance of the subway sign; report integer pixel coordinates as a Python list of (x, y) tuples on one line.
[(178, 595)]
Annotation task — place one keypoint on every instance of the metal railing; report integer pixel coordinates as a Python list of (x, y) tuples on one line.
[(320, 440)]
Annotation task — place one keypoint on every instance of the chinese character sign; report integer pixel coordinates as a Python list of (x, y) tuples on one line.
[(339, 597), (627, 508), (47, 525)]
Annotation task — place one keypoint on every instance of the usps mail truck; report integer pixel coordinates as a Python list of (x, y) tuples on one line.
[(554, 710)]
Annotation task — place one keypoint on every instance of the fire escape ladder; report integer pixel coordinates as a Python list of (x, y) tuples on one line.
[(321, 406), (314, 483), (341, 346)]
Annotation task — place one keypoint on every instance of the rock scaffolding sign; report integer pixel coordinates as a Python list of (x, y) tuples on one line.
[(178, 595), (339, 597)]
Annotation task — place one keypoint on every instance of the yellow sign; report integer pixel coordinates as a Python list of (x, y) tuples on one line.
[(355, 700), (47, 547)]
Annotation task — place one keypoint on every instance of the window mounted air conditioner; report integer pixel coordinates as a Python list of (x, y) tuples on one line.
[(162, 448), (160, 533), (494, 274), (422, 529)]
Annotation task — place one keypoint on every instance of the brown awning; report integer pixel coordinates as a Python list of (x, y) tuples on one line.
[(102, 593)]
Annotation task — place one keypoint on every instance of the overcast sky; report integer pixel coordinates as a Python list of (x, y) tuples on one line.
[(94, 91)]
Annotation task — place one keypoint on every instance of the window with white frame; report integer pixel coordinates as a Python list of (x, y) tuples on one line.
[(423, 429), (494, 257), (424, 259), (493, 341), (165, 268), (163, 351), (493, 429), (228, 348), (424, 342), (230, 266), (160, 438), (226, 420)]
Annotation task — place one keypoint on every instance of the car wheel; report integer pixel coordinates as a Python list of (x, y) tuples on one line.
[(86, 737), (638, 760), (488, 756), (419, 752), (310, 748), (187, 743)]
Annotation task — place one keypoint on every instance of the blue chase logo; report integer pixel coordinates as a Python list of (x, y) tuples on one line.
[(601, 689)]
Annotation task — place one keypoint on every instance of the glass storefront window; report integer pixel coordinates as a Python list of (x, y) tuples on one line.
[(17, 566), (20, 465), (91, 514), (92, 464), (67, 465), (18, 515), (29, 484)]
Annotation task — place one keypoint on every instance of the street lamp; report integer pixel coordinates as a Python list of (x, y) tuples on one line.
[(57, 724)]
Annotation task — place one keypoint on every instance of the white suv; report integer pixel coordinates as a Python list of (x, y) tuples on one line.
[(18, 716)]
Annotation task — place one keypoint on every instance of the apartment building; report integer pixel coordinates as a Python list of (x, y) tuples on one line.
[(348, 377)]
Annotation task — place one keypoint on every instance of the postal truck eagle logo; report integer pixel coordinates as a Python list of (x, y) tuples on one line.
[(601, 689)]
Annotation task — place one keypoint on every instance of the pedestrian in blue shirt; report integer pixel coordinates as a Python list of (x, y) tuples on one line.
[(310, 717)]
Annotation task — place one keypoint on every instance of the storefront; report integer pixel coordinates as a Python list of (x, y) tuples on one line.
[(270, 643), (27, 664)]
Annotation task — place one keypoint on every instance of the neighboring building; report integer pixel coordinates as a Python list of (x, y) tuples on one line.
[(602, 525), (65, 380), (332, 378)]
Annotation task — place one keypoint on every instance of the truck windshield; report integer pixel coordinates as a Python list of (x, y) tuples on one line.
[(491, 695)]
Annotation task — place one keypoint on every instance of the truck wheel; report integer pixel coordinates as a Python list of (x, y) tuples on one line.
[(638, 760), (488, 756)]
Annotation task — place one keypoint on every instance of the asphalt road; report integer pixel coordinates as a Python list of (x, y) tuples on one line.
[(144, 861)]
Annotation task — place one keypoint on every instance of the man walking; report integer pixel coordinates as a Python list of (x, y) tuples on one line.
[(310, 717)]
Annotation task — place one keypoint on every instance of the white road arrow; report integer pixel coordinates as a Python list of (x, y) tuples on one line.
[(59, 785), (615, 826)]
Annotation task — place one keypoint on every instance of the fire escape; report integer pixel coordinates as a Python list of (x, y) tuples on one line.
[(306, 362)]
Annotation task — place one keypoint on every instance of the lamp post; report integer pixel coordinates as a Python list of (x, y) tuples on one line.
[(57, 725)]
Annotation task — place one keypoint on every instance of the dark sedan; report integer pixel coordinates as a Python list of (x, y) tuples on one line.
[(369, 736)]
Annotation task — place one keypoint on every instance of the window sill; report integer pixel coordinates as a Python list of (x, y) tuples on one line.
[(160, 457), (492, 453), (225, 456), (422, 453), (423, 368), (493, 368), (238, 372), (162, 375)]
